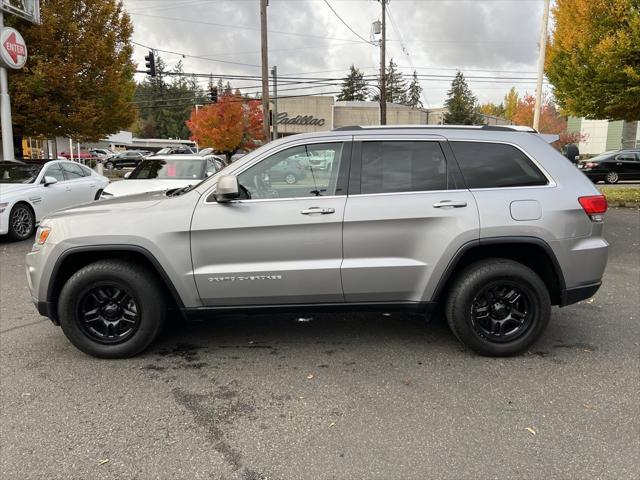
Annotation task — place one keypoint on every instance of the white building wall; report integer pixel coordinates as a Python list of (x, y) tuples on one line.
[(597, 136)]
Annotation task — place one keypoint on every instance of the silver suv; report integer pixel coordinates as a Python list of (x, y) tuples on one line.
[(491, 223)]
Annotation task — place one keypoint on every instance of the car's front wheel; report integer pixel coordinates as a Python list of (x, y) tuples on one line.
[(498, 307), (109, 165), (22, 222), (612, 177), (112, 309)]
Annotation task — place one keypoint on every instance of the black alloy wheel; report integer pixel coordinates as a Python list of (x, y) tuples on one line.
[(501, 312), (109, 314)]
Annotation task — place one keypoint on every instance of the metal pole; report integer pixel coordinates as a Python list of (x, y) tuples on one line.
[(274, 72), (543, 48), (265, 69), (5, 110), (383, 80)]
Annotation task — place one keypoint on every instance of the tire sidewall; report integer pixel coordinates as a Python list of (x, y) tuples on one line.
[(459, 313), (145, 293)]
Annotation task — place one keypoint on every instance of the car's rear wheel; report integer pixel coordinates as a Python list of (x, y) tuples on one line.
[(498, 307), (612, 177), (109, 165), (22, 222), (112, 309)]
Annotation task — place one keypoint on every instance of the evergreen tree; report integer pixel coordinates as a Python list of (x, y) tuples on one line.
[(396, 86), (414, 93), (354, 86), (461, 104)]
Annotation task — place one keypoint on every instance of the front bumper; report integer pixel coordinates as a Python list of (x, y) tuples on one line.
[(4, 220)]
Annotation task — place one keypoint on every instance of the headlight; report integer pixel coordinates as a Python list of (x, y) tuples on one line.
[(3, 207), (106, 195)]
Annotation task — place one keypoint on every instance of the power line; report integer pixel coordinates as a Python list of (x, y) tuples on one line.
[(346, 24)]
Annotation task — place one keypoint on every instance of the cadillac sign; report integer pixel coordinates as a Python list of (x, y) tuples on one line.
[(13, 50), (285, 119)]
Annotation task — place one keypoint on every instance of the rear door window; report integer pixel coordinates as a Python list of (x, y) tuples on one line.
[(403, 166), (496, 165)]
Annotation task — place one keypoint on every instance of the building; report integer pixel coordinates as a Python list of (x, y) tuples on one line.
[(603, 135), (322, 113)]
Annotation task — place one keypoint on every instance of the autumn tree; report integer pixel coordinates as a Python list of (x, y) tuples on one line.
[(78, 81), (511, 99), (462, 108), (232, 124), (550, 119), (493, 109), (593, 58), (354, 86), (414, 93)]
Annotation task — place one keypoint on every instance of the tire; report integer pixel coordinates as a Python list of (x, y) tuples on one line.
[(519, 323), (109, 165), (98, 193), (612, 177), (22, 222), (290, 179), (120, 328)]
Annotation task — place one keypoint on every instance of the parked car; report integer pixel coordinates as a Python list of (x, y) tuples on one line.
[(165, 173), (289, 170), (29, 191), (180, 150), (612, 166), (490, 222), (101, 154), (130, 158)]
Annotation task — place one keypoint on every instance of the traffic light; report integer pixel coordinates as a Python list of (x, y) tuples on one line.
[(213, 94), (150, 64)]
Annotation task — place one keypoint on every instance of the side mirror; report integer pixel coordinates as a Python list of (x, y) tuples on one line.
[(50, 181), (227, 189), (127, 175)]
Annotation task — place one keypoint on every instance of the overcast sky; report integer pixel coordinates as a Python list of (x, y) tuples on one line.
[(482, 38)]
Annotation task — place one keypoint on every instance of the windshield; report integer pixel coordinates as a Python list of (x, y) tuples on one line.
[(18, 173), (169, 169)]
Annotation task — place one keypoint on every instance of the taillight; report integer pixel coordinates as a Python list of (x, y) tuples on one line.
[(594, 206), (590, 165)]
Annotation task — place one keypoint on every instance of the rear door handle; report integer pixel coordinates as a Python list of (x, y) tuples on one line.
[(321, 211), (450, 203)]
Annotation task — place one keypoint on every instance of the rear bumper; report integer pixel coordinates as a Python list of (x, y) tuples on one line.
[(574, 295)]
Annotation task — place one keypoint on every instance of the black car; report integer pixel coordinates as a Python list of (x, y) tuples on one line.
[(130, 158), (613, 166)]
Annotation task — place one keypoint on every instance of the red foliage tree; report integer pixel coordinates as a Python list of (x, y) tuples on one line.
[(232, 124)]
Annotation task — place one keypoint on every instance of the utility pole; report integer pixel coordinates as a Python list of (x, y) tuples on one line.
[(383, 79), (274, 72), (543, 48), (265, 68), (5, 110)]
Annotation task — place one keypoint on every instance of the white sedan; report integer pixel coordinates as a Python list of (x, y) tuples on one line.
[(165, 172), (30, 191)]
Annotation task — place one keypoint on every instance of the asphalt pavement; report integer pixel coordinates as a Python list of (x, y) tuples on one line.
[(342, 396)]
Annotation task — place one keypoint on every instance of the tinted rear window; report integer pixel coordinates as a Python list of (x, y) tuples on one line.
[(402, 167), (494, 165)]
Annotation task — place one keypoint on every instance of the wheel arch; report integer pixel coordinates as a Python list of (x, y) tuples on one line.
[(532, 252), (76, 258)]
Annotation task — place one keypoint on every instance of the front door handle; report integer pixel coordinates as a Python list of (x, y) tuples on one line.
[(450, 203), (321, 211)]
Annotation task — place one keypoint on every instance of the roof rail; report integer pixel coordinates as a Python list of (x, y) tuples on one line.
[(497, 128)]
